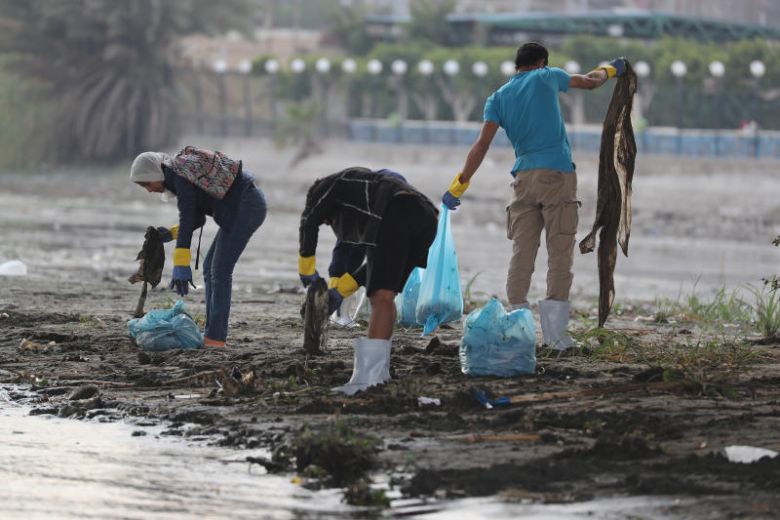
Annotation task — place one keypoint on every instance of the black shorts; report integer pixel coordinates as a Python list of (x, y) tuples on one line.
[(407, 231)]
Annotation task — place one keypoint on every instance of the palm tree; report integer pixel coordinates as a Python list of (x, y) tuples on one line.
[(108, 66)]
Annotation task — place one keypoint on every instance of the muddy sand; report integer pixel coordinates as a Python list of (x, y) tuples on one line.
[(646, 410)]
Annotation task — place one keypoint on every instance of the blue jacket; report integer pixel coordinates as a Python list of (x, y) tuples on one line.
[(194, 204)]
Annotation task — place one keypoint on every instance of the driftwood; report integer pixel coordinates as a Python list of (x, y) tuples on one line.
[(616, 172), (315, 318), (151, 260)]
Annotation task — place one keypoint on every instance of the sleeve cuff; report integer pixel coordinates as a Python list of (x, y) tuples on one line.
[(181, 257), (307, 265)]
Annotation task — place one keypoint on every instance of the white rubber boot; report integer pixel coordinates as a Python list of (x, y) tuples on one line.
[(554, 315), (371, 366)]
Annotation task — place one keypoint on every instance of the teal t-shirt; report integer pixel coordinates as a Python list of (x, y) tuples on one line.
[(528, 109)]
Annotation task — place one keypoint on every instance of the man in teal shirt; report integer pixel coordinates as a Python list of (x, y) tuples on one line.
[(545, 186)]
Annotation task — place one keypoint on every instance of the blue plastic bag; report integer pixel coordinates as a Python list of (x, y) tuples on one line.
[(496, 343), (440, 300), (406, 302), (166, 329)]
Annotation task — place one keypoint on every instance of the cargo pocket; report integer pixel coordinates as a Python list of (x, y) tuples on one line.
[(568, 217)]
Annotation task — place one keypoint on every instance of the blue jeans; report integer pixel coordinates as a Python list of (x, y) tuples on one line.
[(222, 258)]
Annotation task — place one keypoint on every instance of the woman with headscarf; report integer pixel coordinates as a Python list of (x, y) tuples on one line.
[(205, 183)]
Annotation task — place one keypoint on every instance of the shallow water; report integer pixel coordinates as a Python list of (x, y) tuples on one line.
[(63, 468)]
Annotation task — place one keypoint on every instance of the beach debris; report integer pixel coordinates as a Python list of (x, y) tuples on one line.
[(13, 268), (747, 454), (616, 172), (151, 260), (233, 382), (83, 392), (34, 346), (428, 401), (482, 397), (315, 318)]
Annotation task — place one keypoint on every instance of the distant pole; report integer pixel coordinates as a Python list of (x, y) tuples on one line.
[(374, 68), (757, 69), (198, 101), (322, 66), (220, 67), (272, 67), (245, 68), (679, 69), (349, 67), (717, 69)]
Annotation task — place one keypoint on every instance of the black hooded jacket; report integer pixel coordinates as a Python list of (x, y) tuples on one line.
[(352, 202)]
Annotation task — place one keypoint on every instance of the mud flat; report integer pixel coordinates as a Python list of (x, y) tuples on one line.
[(675, 388)]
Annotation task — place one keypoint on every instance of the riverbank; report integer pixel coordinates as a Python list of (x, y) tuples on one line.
[(648, 410)]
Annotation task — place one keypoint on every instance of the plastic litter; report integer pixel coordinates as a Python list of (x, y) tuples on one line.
[(13, 268), (427, 401), (440, 299), (406, 302), (497, 343), (748, 454), (166, 329)]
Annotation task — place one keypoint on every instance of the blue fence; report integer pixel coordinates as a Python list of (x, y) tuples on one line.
[(668, 141)]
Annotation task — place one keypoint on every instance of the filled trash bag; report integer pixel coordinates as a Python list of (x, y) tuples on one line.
[(496, 343), (440, 300), (406, 302), (166, 329)]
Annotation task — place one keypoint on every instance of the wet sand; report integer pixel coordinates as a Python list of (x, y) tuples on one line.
[(79, 232)]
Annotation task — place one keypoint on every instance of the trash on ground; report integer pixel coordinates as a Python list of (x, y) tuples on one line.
[(13, 268), (440, 299), (426, 401), (187, 396), (498, 343), (747, 454), (83, 392), (34, 346), (166, 329)]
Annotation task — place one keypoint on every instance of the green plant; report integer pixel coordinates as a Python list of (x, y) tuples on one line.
[(665, 309), (767, 310), (606, 344), (468, 302), (113, 85), (344, 454), (711, 364)]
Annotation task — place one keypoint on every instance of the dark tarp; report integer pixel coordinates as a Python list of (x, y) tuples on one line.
[(616, 171)]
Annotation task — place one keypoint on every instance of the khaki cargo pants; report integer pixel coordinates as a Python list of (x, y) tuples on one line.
[(543, 199)]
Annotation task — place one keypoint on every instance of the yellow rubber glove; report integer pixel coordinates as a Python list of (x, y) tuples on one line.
[(345, 285), (457, 188), (609, 69), (451, 197)]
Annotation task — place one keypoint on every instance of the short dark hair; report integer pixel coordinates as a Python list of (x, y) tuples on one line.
[(530, 53)]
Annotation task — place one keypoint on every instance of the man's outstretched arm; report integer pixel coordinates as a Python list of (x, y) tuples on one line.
[(598, 76), (478, 151), (451, 197)]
